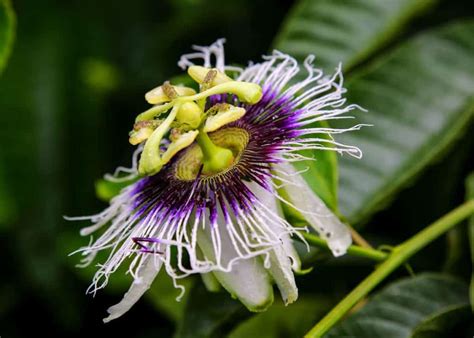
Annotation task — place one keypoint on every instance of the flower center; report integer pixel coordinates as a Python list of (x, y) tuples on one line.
[(230, 141), (179, 116)]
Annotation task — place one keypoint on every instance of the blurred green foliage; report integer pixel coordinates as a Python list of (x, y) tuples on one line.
[(7, 31), (75, 80), (425, 300)]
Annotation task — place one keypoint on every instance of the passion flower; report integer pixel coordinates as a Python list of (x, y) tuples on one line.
[(207, 169)]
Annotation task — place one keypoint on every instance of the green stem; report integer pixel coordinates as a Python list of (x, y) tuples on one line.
[(246, 91), (397, 257), (353, 250), (215, 158), (154, 111), (207, 146)]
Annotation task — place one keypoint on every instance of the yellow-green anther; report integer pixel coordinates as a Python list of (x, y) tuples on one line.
[(210, 76), (190, 113), (174, 134), (142, 130), (153, 112), (161, 94), (169, 90), (137, 137), (201, 74), (150, 160), (245, 91), (224, 114), (208, 81), (181, 142)]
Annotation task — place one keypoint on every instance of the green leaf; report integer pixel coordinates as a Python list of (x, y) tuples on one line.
[(7, 31), (440, 324), (209, 314), (7, 207), (283, 321), (420, 98), (7, 34), (412, 305), (470, 195), (344, 31)]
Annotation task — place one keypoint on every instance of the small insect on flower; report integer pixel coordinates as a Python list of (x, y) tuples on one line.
[(207, 170)]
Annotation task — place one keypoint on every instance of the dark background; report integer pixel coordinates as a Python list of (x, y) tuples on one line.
[(72, 88)]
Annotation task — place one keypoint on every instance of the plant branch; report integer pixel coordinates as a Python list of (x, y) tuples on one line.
[(358, 239), (397, 257)]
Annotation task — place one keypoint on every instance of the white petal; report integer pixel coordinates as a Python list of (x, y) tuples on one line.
[(291, 252), (281, 257), (147, 274), (318, 215), (282, 274), (272, 203), (247, 280)]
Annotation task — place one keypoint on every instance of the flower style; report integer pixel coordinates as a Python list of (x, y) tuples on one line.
[(208, 169)]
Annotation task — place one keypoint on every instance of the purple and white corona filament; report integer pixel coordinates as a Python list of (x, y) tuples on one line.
[(207, 168)]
